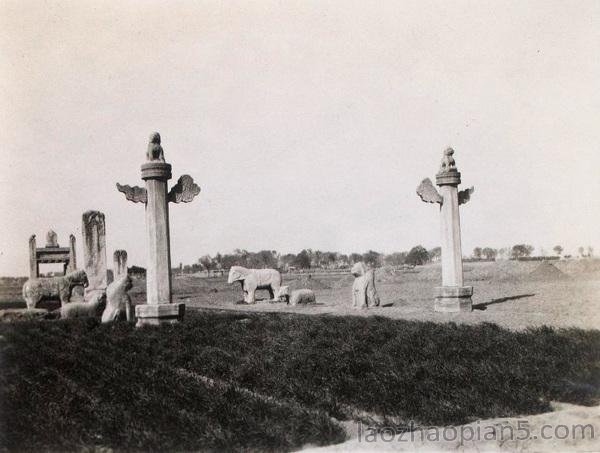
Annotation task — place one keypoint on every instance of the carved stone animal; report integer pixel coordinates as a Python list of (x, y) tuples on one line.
[(253, 279), (118, 302), (364, 293), (155, 151), (37, 289), (303, 296), (284, 294), (89, 309), (448, 163)]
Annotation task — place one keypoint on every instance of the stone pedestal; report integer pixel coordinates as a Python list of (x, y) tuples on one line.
[(453, 299), (153, 315)]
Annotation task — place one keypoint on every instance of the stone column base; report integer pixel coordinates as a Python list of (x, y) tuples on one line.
[(453, 299), (154, 315)]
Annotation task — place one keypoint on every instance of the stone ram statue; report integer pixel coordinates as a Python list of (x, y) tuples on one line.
[(89, 309), (253, 279), (303, 296), (364, 293), (118, 302), (37, 289)]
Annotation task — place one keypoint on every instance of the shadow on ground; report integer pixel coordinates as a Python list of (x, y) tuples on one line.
[(484, 305)]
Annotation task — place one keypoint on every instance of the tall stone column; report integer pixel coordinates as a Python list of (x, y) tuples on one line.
[(158, 272), (94, 253), (452, 296), (156, 172), (34, 269), (119, 263), (72, 257)]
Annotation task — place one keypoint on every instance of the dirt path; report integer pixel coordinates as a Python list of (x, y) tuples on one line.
[(568, 428)]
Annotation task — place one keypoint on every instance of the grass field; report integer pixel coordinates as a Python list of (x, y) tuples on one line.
[(275, 377), (273, 381)]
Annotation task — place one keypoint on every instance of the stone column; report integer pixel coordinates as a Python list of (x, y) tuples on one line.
[(94, 253), (158, 308), (158, 272), (33, 264), (120, 263), (72, 258), (156, 172), (452, 296)]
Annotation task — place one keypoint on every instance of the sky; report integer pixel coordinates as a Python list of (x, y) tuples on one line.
[(307, 124)]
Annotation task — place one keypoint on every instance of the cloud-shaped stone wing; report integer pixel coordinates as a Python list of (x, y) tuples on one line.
[(135, 194), (184, 191), (465, 195), (428, 192)]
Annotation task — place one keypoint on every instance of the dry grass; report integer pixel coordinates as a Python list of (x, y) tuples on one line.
[(233, 381)]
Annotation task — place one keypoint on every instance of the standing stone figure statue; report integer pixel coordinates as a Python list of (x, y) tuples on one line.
[(364, 293), (156, 172), (452, 296)]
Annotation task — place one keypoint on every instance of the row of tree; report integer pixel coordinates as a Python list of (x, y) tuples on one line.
[(309, 259), (522, 251), (317, 259)]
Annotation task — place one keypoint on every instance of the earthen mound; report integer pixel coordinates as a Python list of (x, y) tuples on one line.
[(547, 271)]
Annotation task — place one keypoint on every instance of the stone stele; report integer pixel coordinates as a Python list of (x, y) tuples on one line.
[(119, 263), (94, 253)]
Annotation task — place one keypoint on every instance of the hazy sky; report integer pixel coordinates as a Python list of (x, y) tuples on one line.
[(308, 124)]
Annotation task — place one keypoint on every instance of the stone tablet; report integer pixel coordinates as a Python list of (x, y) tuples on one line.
[(94, 252)]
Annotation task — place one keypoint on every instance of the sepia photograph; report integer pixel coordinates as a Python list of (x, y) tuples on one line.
[(300, 226)]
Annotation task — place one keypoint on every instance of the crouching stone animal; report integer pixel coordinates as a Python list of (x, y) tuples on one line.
[(89, 309), (118, 302), (303, 296), (253, 279), (37, 289), (364, 293), (284, 294)]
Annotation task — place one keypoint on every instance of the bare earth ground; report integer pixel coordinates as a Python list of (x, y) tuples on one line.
[(514, 295), (535, 433), (510, 294)]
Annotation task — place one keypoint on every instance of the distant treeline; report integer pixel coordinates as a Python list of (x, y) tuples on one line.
[(309, 259), (317, 259)]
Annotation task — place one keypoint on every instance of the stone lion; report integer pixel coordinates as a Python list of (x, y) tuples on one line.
[(155, 151), (364, 294), (37, 289), (253, 279), (118, 302)]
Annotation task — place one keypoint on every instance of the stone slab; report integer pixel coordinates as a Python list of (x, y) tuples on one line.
[(156, 314), (453, 305), (453, 299)]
